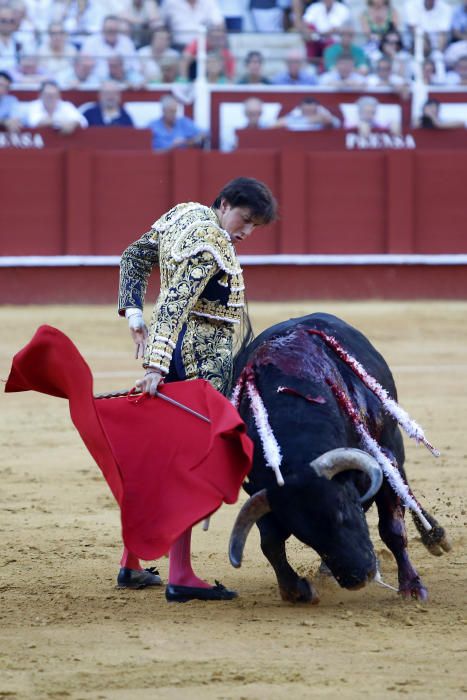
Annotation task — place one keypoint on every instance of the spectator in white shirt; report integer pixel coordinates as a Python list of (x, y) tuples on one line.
[(110, 42), (434, 18), (150, 56), (183, 18), (458, 76), (56, 52), (82, 18), (29, 74), (143, 17), (42, 12), (9, 46), (80, 74), (321, 24), (51, 111), (384, 76), (344, 75)]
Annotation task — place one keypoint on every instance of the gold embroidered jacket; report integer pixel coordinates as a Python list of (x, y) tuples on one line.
[(191, 249)]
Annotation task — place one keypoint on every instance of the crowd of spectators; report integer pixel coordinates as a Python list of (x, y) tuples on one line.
[(112, 45)]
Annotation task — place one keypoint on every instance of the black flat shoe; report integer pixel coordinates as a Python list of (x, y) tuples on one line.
[(182, 594), (135, 578)]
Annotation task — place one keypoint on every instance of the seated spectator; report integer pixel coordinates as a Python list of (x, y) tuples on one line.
[(216, 42), (384, 76), (321, 23), (56, 52), (454, 52), (459, 23), (297, 71), (184, 17), (29, 75), (83, 18), (343, 76), (391, 47), (143, 17), (252, 118), (23, 28), (367, 122), (110, 42), (123, 72), (170, 67), (150, 56), (171, 131), (377, 19), (458, 77), (434, 18), (215, 69), (346, 46), (41, 13), (108, 111), (267, 15), (51, 111), (9, 119), (10, 48), (81, 74), (310, 115), (430, 73), (430, 118), (253, 70)]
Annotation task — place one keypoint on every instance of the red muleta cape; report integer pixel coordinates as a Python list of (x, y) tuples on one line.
[(166, 468)]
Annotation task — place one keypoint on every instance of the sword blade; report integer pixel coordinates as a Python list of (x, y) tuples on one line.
[(125, 392)]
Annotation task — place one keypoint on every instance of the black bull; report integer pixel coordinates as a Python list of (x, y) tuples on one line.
[(309, 420)]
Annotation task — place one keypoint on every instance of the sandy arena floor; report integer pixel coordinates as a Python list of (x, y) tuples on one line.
[(66, 632)]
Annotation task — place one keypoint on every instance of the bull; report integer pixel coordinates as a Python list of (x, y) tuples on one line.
[(319, 402)]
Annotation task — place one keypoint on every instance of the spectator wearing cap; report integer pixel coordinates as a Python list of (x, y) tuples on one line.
[(343, 76), (309, 115), (49, 110), (297, 72), (430, 118), (111, 42), (108, 111), (56, 52), (171, 131), (184, 17), (254, 70), (9, 105), (346, 46)]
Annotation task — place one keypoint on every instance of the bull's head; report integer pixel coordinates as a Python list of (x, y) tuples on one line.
[(324, 513)]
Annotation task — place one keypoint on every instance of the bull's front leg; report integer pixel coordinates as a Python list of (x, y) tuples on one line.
[(292, 587), (394, 535)]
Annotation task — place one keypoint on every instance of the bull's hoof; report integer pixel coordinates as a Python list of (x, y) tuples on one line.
[(437, 546), (415, 590), (303, 592)]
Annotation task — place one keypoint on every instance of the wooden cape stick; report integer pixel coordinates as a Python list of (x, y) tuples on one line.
[(126, 392)]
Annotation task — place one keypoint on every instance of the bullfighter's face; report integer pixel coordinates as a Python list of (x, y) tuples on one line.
[(237, 221)]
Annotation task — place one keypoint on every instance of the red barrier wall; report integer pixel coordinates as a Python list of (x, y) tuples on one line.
[(97, 202)]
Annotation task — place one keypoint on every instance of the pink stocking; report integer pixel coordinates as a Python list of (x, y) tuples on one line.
[(180, 571), (130, 560)]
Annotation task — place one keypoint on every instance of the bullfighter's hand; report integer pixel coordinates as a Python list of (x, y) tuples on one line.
[(150, 382), (138, 330)]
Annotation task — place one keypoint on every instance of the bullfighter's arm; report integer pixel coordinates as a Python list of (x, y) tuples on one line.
[(136, 265)]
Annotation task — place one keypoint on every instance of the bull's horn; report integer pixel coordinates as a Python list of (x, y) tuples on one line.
[(346, 458), (249, 514)]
